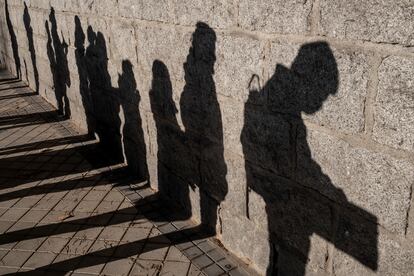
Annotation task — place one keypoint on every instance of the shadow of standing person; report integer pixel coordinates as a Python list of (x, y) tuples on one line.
[(81, 64), (13, 40), (201, 117), (32, 50), (57, 52), (106, 104), (274, 141), (132, 133), (172, 155)]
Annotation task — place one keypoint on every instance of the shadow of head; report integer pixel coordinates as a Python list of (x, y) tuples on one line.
[(162, 102), (317, 71), (303, 87), (79, 34), (202, 54)]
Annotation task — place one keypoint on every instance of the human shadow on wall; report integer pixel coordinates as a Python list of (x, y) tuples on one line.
[(13, 40), (201, 116), (132, 133), (29, 32), (194, 157), (174, 159), (102, 102), (275, 146), (57, 52), (81, 65), (101, 105)]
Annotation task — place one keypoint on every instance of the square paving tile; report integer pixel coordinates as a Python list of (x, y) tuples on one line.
[(13, 214), (66, 230), (154, 251), (86, 232), (128, 249), (86, 206), (95, 196), (4, 225), (103, 248), (118, 266), (27, 202), (39, 259), (8, 203), (112, 233), (77, 246), (65, 262), (54, 245), (8, 242), (91, 264), (7, 270), (121, 220), (136, 234), (176, 255), (213, 270), (107, 206), (34, 215), (75, 195), (175, 268), (99, 219), (44, 229), (3, 253), (30, 244), (66, 205), (15, 258), (146, 267), (114, 195), (21, 228)]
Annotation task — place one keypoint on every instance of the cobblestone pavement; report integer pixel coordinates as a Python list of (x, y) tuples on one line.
[(64, 213)]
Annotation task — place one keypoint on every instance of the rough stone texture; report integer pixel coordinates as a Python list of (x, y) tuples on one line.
[(374, 20), (394, 257), (394, 112), (284, 17), (329, 180), (367, 179), (238, 59), (218, 14)]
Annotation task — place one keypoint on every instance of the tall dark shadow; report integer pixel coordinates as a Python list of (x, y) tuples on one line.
[(13, 40), (57, 52), (172, 155), (202, 120), (82, 66), (29, 32), (106, 122), (274, 140), (132, 133)]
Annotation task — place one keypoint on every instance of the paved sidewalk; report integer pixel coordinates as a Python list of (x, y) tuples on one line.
[(64, 211)]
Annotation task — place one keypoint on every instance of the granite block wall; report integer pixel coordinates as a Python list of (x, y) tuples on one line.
[(284, 127)]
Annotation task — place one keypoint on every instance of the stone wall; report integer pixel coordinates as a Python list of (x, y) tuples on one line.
[(288, 126)]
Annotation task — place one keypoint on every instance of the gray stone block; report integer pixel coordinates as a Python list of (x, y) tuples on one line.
[(41, 4), (367, 179), (169, 45), (390, 256), (284, 17), (123, 42), (218, 14), (160, 11), (394, 109), (107, 8), (378, 21), (237, 60)]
